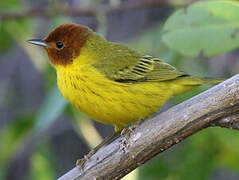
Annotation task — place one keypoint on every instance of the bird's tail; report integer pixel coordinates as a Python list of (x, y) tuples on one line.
[(190, 80), (188, 83)]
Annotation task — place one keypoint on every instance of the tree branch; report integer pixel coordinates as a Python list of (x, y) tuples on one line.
[(218, 106)]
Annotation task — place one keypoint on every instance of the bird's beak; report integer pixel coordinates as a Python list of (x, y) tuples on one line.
[(38, 42)]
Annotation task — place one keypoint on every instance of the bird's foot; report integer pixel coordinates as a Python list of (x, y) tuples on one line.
[(125, 134), (128, 130), (81, 162)]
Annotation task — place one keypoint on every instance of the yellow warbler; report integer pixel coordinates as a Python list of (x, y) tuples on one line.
[(108, 81)]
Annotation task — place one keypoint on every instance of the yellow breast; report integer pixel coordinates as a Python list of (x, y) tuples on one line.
[(107, 101)]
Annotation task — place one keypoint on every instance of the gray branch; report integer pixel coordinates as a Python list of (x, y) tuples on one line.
[(218, 106)]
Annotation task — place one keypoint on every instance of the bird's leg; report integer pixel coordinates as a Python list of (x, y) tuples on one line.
[(129, 129), (80, 162), (107, 140)]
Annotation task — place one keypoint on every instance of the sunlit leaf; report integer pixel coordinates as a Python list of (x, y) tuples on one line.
[(205, 28)]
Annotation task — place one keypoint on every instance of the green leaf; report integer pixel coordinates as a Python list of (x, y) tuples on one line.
[(13, 136), (10, 4), (43, 165), (5, 39), (52, 108), (209, 28)]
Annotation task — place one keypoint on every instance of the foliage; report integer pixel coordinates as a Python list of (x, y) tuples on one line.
[(206, 23)]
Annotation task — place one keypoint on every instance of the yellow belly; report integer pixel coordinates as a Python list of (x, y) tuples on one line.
[(111, 102)]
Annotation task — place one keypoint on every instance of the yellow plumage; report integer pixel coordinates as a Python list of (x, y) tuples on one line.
[(113, 102), (108, 81)]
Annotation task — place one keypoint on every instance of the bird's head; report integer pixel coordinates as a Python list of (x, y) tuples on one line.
[(64, 43)]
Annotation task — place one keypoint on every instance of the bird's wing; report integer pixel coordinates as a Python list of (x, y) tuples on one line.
[(129, 66), (148, 68)]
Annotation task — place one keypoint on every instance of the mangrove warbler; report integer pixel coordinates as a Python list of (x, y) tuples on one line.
[(108, 81)]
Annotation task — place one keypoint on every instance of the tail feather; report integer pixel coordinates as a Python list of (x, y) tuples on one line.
[(198, 81), (188, 83)]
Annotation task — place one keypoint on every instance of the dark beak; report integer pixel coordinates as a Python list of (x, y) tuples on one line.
[(38, 42)]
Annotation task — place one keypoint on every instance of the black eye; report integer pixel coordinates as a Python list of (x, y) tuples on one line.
[(59, 44)]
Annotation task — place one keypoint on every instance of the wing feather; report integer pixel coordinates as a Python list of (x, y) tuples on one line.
[(134, 67)]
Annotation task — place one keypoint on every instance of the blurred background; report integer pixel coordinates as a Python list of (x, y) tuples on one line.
[(42, 136)]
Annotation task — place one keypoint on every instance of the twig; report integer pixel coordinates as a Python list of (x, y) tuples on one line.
[(70, 11), (218, 106)]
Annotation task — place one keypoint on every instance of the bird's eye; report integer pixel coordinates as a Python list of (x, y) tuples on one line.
[(59, 45)]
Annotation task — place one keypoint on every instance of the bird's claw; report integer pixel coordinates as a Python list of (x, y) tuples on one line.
[(81, 162), (128, 130)]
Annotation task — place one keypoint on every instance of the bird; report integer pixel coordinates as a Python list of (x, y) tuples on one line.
[(110, 82)]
